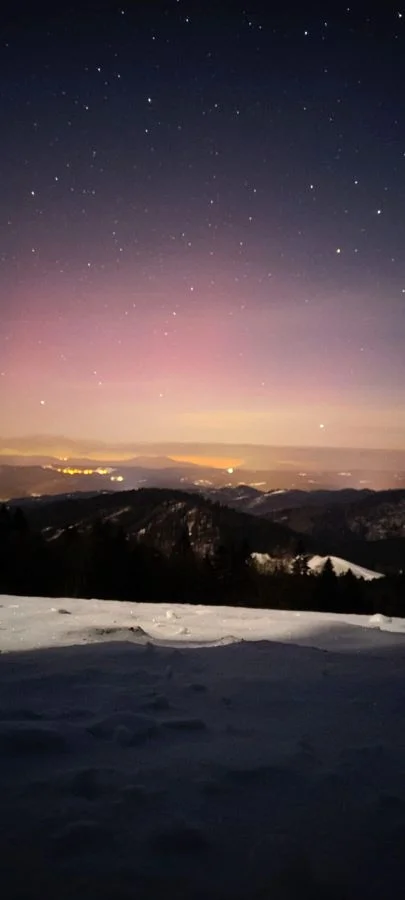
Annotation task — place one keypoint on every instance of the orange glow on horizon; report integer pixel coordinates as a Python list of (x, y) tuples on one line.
[(212, 462), (64, 455)]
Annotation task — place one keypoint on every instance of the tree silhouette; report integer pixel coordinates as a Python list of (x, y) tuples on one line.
[(351, 589), (300, 566), (20, 522), (326, 588)]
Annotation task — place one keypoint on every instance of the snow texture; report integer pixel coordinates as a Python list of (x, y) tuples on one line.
[(155, 751), (266, 563), (341, 567)]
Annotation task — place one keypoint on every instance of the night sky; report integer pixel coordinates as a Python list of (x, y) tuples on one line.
[(202, 223)]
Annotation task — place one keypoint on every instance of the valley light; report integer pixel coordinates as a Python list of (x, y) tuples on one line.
[(230, 470)]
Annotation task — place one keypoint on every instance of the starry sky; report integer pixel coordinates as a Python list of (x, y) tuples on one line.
[(202, 223)]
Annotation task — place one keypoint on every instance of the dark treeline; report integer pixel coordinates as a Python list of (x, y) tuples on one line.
[(104, 562)]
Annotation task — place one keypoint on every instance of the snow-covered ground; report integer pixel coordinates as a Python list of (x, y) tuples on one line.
[(191, 751)]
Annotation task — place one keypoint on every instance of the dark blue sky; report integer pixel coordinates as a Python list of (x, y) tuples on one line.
[(202, 230)]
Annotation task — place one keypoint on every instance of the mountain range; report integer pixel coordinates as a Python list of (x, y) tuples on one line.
[(160, 518), (368, 515), (365, 527)]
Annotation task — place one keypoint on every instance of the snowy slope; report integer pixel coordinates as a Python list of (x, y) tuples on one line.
[(36, 622), (157, 751), (341, 567), (267, 563)]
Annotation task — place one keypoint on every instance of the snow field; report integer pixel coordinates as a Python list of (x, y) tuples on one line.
[(194, 751)]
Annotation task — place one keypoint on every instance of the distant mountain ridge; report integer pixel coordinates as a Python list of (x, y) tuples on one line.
[(162, 518), (364, 526), (371, 517), (264, 503), (237, 486)]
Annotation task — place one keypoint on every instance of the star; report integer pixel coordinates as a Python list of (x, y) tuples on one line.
[(198, 191)]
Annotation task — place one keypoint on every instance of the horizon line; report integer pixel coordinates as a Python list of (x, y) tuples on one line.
[(105, 443)]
